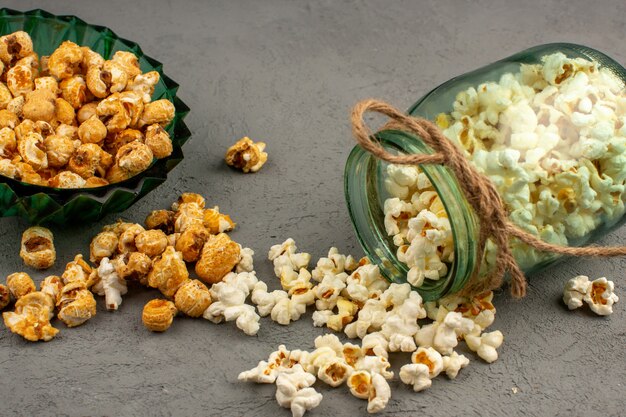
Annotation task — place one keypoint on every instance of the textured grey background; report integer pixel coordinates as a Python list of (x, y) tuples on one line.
[(287, 73)]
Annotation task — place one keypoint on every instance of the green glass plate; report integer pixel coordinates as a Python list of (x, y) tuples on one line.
[(38, 204)]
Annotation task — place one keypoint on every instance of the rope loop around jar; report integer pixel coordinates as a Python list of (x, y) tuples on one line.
[(477, 188)]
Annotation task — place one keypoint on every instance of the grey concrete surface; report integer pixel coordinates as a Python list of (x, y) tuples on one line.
[(288, 73)]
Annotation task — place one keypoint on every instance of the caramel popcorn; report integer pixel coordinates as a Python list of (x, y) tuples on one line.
[(169, 272), (5, 296), (75, 95), (191, 242), (37, 248), (158, 315), (76, 304), (246, 155), (162, 220), (151, 242), (219, 257), (20, 284), (31, 318), (192, 298)]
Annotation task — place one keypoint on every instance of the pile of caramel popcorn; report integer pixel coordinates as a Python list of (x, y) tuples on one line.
[(74, 119)]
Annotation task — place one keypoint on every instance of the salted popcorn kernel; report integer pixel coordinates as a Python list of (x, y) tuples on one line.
[(159, 142), (334, 372), (65, 60), (485, 345), (151, 242), (429, 357), (76, 304), (103, 245), (110, 284), (453, 363), (219, 257), (575, 290), (346, 312), (600, 296), (246, 155), (158, 315), (31, 318), (191, 241), (192, 298), (161, 220), (37, 248), (20, 284), (169, 272), (5, 296)]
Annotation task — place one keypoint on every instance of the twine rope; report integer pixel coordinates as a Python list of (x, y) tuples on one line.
[(477, 188)]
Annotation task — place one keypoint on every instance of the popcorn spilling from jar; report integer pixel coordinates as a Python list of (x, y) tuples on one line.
[(550, 137), (354, 298), (76, 120)]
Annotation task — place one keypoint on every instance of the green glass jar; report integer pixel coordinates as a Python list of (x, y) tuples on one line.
[(365, 175)]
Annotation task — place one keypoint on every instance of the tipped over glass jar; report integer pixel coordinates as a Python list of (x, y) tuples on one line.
[(547, 126)]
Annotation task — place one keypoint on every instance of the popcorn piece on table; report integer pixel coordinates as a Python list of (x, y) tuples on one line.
[(5, 296), (575, 291), (285, 255), (600, 296), (31, 318), (219, 257), (279, 361), (334, 264), (110, 284), (372, 387), (401, 325), (192, 298), (365, 282), (246, 155), (443, 334), (453, 363), (158, 315), (426, 364), (76, 304), (37, 248), (485, 345), (19, 284), (294, 391), (229, 304)]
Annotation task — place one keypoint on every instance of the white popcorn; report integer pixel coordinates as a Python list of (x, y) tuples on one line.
[(285, 254), (394, 208), (293, 391), (575, 290), (265, 301), (334, 264), (320, 318), (375, 343), (453, 325), (600, 296), (334, 372), (287, 310), (110, 284), (346, 311), (485, 345), (453, 363), (229, 298), (370, 319), (375, 365), (290, 279), (401, 325), (379, 395), (246, 261), (328, 290), (365, 282), (417, 375), (261, 374), (373, 387)]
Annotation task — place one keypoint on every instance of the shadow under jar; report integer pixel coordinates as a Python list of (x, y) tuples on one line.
[(546, 125)]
